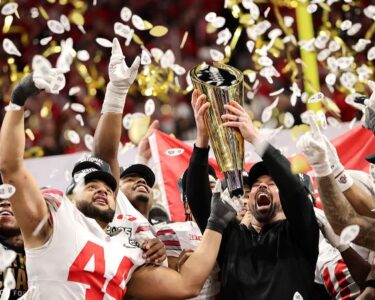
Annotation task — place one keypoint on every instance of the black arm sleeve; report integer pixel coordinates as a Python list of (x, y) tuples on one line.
[(198, 190), (295, 202)]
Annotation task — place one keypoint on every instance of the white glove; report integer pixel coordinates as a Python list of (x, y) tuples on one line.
[(333, 158), (52, 81), (328, 232), (315, 151), (120, 79)]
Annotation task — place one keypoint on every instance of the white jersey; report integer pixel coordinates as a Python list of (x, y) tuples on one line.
[(129, 220), (186, 235), (80, 261)]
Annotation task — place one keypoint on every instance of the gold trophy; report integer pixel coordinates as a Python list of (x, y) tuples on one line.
[(221, 84)]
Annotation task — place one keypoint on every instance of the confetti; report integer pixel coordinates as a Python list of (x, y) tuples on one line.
[(174, 151), (30, 134), (156, 53), (145, 57), (311, 8), (83, 55), (89, 141), (349, 234), (297, 296), (250, 45), (80, 120), (104, 42), (330, 79), (158, 31), (288, 120), (125, 14), (223, 37), (267, 114), (138, 22), (178, 69), (184, 39), (46, 40), (371, 53), (127, 121), (333, 122), (123, 30), (167, 59), (218, 22), (34, 12), (265, 61), (317, 97), (78, 107), (334, 46), (73, 137), (55, 26), (278, 92), (65, 22), (149, 107), (7, 191), (346, 25), (348, 80), (288, 21), (210, 17), (354, 29), (10, 48), (9, 9)]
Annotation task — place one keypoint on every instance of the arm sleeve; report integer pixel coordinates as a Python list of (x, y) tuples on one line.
[(198, 190), (295, 202)]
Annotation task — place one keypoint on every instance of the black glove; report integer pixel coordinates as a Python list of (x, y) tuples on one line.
[(23, 90), (221, 214)]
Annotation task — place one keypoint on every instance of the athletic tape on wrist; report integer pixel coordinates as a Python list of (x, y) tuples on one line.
[(369, 283), (23, 90)]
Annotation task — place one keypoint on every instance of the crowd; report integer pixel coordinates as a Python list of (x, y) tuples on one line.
[(94, 240)]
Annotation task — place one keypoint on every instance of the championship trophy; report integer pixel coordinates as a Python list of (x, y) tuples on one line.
[(221, 84)]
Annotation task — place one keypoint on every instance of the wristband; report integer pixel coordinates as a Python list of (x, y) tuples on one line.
[(344, 181), (369, 283), (343, 248), (23, 90)]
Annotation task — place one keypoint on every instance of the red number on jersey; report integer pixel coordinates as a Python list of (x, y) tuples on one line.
[(96, 278)]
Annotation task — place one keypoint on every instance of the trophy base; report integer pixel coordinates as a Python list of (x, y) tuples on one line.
[(234, 183)]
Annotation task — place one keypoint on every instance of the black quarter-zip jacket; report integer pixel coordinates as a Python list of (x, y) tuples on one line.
[(275, 263)]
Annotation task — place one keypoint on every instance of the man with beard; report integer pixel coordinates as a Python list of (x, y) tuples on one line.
[(275, 256), (11, 251)]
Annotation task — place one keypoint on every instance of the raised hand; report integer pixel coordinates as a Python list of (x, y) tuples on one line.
[(120, 79), (200, 106), (240, 119)]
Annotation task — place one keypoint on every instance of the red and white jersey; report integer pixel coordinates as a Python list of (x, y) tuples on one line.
[(186, 235), (129, 220), (80, 261)]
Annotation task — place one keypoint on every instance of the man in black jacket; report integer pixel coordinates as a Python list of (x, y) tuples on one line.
[(275, 257)]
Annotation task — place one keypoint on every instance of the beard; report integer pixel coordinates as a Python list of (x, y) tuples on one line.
[(91, 211), (10, 231), (141, 198)]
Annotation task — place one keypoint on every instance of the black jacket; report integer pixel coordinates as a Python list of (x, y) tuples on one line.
[(277, 262)]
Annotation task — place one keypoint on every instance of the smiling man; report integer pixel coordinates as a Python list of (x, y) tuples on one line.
[(11, 240)]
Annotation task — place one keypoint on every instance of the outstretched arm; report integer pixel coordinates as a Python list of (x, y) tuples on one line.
[(28, 204), (188, 283), (108, 132)]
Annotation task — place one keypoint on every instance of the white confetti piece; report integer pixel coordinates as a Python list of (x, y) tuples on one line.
[(288, 21), (73, 91), (167, 59), (41, 64), (179, 70), (210, 17), (78, 107), (145, 57), (125, 14), (83, 55), (354, 29), (138, 22), (334, 46), (348, 80), (349, 233), (10, 48), (276, 93), (317, 97), (123, 30), (80, 120), (65, 22), (324, 54), (174, 151), (266, 114), (288, 120), (73, 137), (346, 25), (89, 141), (297, 296), (361, 45), (369, 12), (149, 107), (312, 8), (127, 121), (218, 22), (371, 53), (267, 11), (223, 37), (46, 40), (265, 61), (7, 191), (330, 79), (104, 42), (55, 26), (9, 9), (34, 12), (250, 46), (82, 29)]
